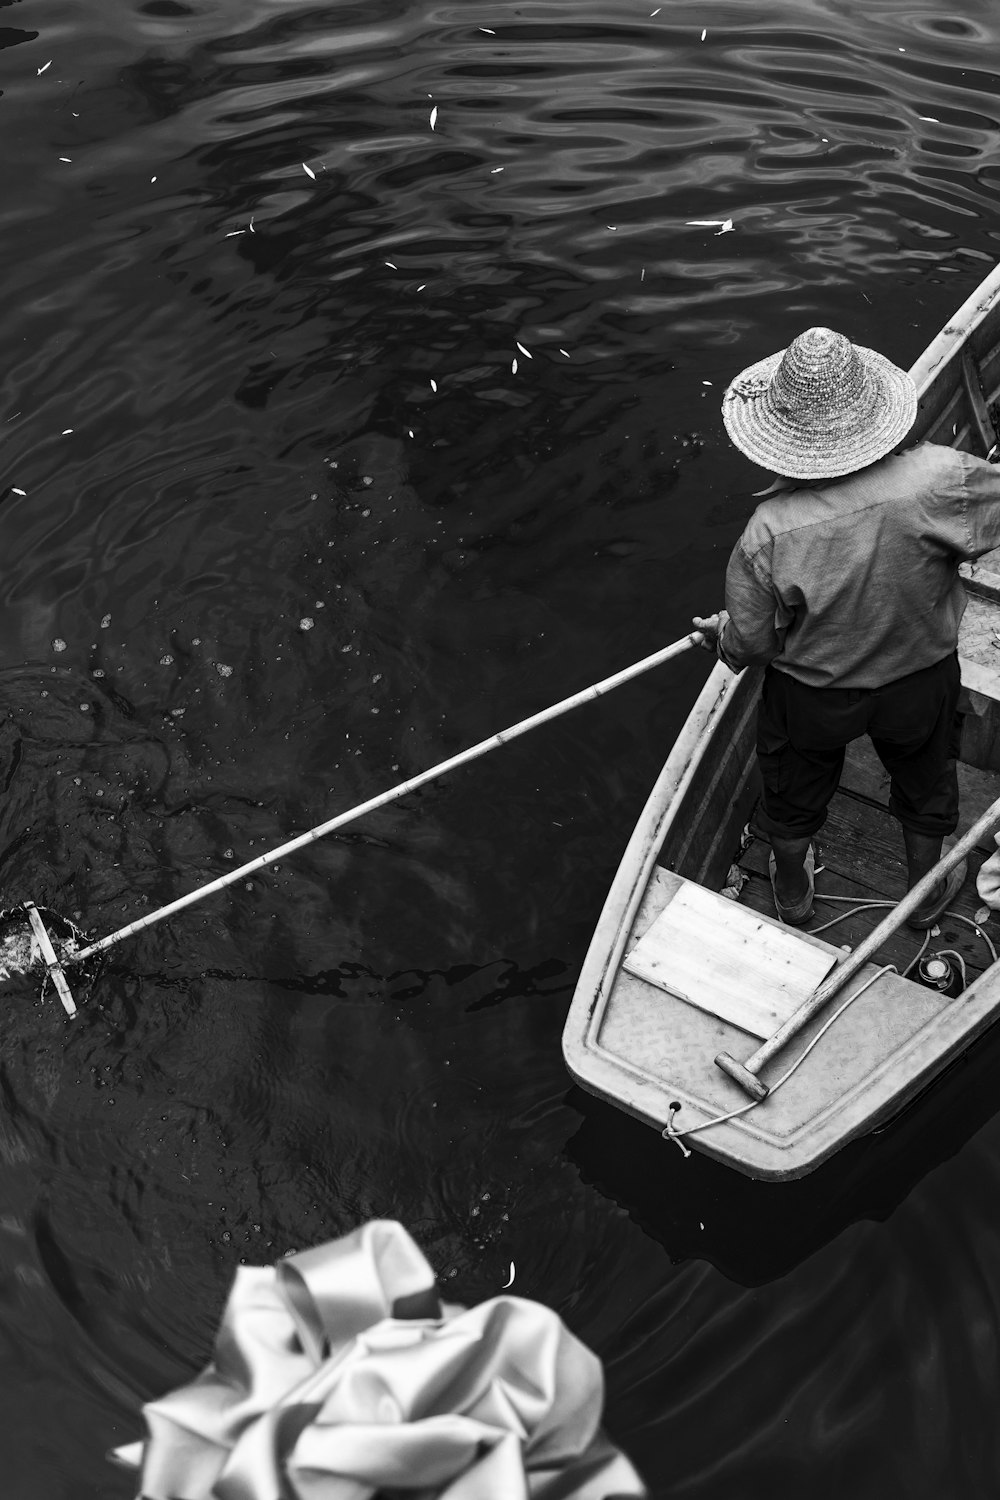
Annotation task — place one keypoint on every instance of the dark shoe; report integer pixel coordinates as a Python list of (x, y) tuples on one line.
[(940, 899), (800, 911)]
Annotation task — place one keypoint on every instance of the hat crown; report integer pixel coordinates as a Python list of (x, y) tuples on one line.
[(818, 368)]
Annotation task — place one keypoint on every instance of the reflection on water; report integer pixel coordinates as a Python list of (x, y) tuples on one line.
[(334, 440)]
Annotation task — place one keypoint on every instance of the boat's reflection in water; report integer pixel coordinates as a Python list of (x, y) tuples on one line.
[(755, 1232)]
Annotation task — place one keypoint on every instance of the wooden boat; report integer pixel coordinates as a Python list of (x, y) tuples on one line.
[(688, 960)]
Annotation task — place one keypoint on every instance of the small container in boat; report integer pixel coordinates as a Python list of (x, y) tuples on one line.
[(938, 973)]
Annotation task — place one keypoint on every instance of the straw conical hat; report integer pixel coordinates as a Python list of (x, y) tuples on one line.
[(820, 408)]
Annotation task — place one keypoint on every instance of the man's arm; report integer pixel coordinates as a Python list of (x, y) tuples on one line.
[(747, 633)]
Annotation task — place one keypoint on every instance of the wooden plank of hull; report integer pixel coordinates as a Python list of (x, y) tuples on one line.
[(647, 1051)]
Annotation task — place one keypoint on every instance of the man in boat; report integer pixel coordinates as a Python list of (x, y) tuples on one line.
[(845, 587)]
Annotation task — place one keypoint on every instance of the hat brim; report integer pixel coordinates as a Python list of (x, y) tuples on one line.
[(833, 443)]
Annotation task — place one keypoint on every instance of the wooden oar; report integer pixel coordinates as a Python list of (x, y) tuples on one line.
[(746, 1073), (586, 695)]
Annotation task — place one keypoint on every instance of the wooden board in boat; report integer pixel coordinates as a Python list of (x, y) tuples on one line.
[(727, 960)]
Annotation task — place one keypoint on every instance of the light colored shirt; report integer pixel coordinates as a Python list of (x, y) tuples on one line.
[(854, 582)]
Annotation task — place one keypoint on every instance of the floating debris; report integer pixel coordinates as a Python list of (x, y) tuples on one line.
[(564, 351), (66, 432), (85, 708), (724, 226), (704, 34), (223, 670), (16, 491), (510, 1278), (306, 624), (524, 351), (495, 170), (309, 171), (66, 158), (41, 70), (152, 179), (58, 644), (235, 231), (166, 661), (434, 115), (482, 28), (390, 265), (513, 365), (105, 621), (434, 385), (931, 119)]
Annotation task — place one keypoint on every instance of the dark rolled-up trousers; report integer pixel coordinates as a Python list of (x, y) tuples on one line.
[(803, 732)]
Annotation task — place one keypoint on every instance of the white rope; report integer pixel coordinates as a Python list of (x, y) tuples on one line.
[(677, 1136)]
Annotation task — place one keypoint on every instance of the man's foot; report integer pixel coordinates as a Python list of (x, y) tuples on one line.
[(937, 903), (796, 906)]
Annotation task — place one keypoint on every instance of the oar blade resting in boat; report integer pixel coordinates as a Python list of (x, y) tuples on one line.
[(689, 962)]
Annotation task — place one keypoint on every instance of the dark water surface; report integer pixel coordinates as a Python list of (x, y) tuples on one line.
[(246, 354)]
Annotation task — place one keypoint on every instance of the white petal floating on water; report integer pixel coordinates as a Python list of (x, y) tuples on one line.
[(931, 119), (434, 115), (564, 351), (434, 385), (487, 31), (510, 1278), (17, 491), (524, 350), (41, 70), (724, 226), (495, 170), (152, 179), (704, 34), (252, 229), (513, 365), (391, 266), (655, 12), (309, 171), (235, 231), (642, 274), (65, 158), (58, 644)]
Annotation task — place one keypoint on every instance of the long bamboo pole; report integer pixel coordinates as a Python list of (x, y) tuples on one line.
[(544, 716)]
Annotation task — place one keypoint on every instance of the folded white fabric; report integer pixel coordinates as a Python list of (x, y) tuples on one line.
[(338, 1375)]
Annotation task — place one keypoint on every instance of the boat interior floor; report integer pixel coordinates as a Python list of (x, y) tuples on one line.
[(859, 855)]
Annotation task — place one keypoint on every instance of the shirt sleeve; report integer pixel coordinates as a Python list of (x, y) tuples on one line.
[(749, 635), (982, 513)]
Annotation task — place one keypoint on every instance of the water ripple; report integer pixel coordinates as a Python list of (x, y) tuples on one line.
[(334, 440)]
